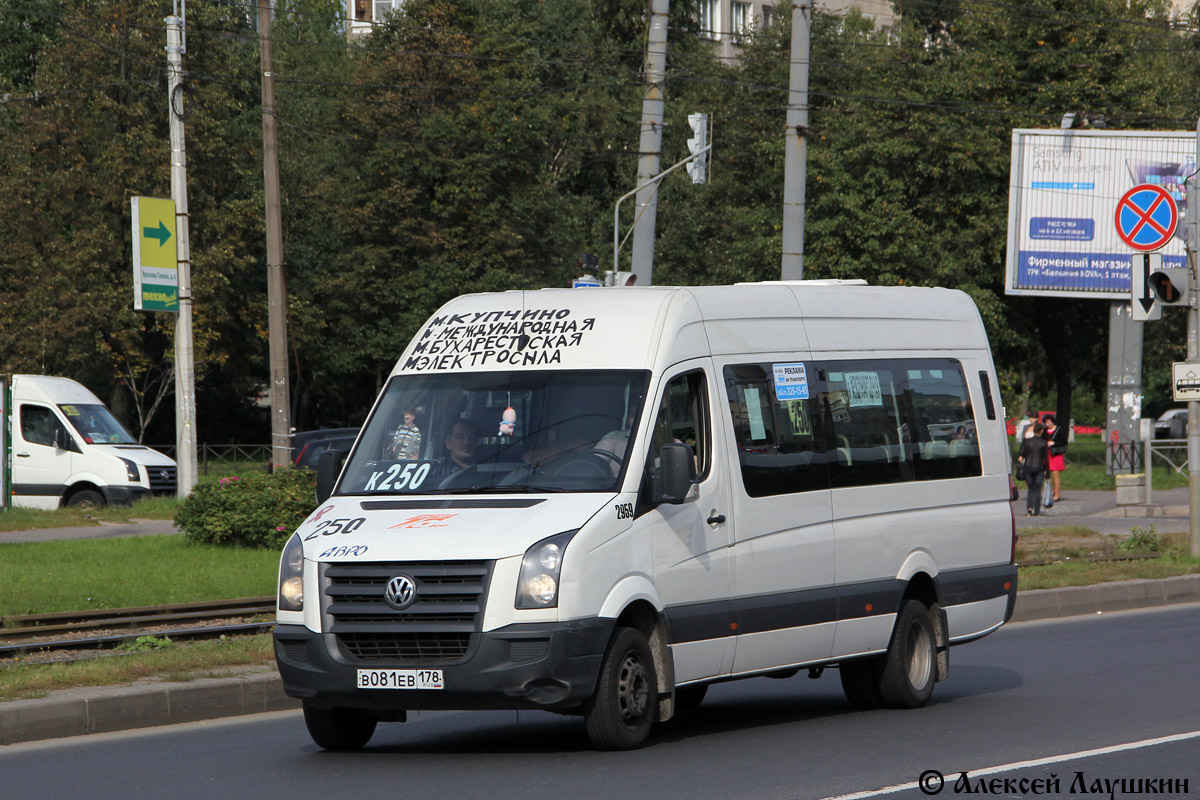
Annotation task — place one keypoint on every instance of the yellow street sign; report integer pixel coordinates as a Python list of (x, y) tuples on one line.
[(155, 259)]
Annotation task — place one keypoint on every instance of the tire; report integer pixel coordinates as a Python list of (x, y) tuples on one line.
[(339, 729), (86, 499), (621, 712), (860, 682), (689, 698), (910, 666)]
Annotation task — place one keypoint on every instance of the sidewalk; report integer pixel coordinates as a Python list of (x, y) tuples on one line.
[(258, 689), (1168, 512), (103, 530)]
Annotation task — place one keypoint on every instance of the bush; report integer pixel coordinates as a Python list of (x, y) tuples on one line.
[(251, 510)]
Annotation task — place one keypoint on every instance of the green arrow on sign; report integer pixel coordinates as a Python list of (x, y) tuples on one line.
[(162, 233)]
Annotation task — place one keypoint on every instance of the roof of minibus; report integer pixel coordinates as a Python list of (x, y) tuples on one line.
[(52, 389), (622, 328)]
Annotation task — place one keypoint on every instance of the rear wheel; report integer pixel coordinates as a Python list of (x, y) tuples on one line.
[(339, 728), (621, 712), (910, 666)]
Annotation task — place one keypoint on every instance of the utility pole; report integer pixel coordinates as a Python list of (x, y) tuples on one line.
[(281, 451), (1193, 354), (650, 144), (795, 159), (185, 374)]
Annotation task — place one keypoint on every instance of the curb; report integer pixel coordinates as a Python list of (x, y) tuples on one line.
[(77, 712), (1071, 601)]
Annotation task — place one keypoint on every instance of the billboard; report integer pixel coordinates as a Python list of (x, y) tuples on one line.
[(1062, 204)]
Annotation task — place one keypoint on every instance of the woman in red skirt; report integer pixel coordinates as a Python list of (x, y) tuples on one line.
[(1056, 438)]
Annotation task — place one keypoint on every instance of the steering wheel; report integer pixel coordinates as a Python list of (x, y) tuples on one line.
[(582, 465)]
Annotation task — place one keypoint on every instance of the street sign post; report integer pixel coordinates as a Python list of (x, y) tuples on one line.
[(155, 255), (1146, 217)]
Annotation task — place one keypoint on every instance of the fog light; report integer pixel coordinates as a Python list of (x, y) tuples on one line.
[(542, 588), (292, 592)]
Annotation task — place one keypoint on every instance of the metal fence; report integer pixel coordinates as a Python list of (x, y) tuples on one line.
[(226, 457)]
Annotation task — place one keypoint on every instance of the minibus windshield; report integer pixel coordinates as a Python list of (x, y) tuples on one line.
[(96, 424), (493, 432)]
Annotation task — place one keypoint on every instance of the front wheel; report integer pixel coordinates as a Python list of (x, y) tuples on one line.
[(621, 712), (910, 666), (86, 500), (339, 728)]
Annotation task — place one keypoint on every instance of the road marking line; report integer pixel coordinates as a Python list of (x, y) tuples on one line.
[(1037, 762)]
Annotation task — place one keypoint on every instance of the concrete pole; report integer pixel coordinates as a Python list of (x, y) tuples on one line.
[(185, 374), (1124, 384), (281, 448), (795, 159), (1193, 355), (650, 144)]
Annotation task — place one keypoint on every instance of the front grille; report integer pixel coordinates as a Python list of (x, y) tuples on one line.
[(162, 479), (420, 648), (438, 628)]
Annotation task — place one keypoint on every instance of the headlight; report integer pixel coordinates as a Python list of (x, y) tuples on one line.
[(538, 585), (291, 576), (131, 470)]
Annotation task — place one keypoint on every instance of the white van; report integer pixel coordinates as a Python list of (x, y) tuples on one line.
[(621, 496), (68, 449)]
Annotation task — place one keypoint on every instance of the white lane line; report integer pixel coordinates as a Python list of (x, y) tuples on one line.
[(1037, 762)]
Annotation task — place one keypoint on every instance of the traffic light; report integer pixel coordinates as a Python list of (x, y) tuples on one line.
[(698, 142), (619, 278), (1169, 285)]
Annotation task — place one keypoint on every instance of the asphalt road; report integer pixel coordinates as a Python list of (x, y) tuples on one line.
[(1045, 693)]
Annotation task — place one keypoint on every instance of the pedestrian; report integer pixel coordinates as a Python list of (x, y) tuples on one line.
[(1026, 426), (1056, 437), (1034, 457)]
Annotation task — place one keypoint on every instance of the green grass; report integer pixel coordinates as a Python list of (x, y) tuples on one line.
[(176, 662), (1081, 573), (27, 519), (40, 577)]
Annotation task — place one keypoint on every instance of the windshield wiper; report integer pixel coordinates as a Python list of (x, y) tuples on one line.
[(524, 489)]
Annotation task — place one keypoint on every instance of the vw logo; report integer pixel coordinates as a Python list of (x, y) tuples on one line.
[(400, 593)]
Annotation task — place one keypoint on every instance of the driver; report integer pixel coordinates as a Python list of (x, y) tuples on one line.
[(460, 447)]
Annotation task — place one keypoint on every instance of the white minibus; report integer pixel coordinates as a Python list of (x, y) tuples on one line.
[(68, 449), (618, 497)]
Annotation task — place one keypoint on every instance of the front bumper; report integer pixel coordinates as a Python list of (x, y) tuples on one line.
[(549, 666), (123, 495)]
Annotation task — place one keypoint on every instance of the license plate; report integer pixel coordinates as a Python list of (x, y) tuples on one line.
[(400, 679)]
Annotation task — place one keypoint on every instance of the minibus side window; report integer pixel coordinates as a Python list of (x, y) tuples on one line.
[(782, 444), (944, 422), (866, 400), (38, 426), (682, 416)]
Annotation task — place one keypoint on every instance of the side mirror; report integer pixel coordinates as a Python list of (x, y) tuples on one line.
[(329, 464), (678, 467), (62, 440)]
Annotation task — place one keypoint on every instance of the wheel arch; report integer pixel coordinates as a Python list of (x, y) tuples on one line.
[(82, 486), (641, 615)]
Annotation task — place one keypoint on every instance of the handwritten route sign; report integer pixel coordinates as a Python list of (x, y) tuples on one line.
[(1146, 217)]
